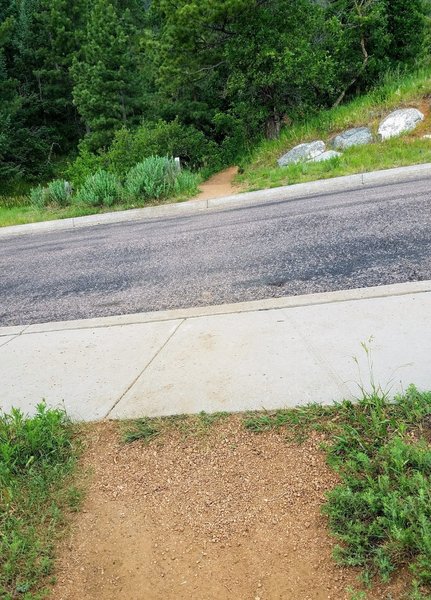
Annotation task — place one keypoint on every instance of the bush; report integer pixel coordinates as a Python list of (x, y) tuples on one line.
[(159, 177), (85, 164), (159, 139), (59, 192), (152, 178), (100, 189), (38, 197)]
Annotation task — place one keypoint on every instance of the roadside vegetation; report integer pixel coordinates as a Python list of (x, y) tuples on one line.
[(380, 512), (37, 461), (95, 97), (260, 169)]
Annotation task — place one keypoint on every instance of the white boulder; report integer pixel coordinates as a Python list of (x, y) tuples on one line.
[(358, 136), (302, 153), (400, 121), (328, 155)]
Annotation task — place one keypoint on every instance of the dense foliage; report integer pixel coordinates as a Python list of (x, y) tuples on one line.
[(37, 458), (116, 81)]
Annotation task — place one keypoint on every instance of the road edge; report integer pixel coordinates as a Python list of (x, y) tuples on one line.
[(300, 190), (357, 294)]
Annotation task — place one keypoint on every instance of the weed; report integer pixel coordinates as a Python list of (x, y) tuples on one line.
[(37, 456), (142, 429), (194, 425), (381, 511), (100, 189), (296, 423)]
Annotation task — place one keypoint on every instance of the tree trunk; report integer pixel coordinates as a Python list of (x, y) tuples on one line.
[(273, 126)]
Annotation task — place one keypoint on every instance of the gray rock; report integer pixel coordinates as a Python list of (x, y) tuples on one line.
[(358, 136), (325, 156), (400, 121), (302, 153)]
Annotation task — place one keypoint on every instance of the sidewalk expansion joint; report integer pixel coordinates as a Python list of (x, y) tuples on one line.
[(129, 387)]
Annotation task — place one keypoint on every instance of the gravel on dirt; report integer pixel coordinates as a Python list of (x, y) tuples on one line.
[(228, 515)]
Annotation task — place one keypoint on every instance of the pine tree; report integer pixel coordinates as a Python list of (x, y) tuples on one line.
[(409, 27), (56, 32), (107, 90)]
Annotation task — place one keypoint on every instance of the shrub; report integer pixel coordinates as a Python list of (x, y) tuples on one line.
[(152, 178), (59, 192), (159, 177), (100, 189), (38, 197), (85, 164), (159, 139)]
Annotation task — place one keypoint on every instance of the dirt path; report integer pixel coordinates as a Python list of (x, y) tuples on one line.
[(230, 516), (219, 185)]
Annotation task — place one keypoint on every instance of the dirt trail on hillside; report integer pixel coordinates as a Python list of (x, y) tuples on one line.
[(232, 515), (219, 185)]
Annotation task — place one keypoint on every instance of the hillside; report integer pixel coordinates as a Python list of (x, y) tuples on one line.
[(260, 169)]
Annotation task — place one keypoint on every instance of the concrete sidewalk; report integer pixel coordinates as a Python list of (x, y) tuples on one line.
[(267, 354)]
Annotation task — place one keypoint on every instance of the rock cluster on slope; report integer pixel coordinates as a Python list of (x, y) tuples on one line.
[(398, 122)]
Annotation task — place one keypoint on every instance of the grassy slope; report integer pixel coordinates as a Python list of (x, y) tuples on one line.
[(18, 211), (261, 170)]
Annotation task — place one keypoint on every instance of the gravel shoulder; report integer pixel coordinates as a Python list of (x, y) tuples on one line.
[(230, 514)]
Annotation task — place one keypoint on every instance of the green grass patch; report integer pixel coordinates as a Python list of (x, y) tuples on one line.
[(37, 459), (381, 510), (18, 211), (260, 170), (149, 429)]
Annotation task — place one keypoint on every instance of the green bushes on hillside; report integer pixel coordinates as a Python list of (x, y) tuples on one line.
[(202, 80), (155, 178)]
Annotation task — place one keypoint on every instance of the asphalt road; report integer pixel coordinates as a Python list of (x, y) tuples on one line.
[(367, 237)]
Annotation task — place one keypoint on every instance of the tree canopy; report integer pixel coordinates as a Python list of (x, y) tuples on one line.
[(84, 74)]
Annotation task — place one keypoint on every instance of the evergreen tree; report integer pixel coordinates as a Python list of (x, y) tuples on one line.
[(107, 90), (56, 30), (409, 28)]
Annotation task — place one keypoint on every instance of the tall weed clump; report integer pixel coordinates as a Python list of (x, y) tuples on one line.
[(37, 459), (101, 189), (58, 193), (158, 177), (381, 510)]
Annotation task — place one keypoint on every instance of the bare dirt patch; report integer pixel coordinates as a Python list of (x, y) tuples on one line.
[(219, 185), (228, 515)]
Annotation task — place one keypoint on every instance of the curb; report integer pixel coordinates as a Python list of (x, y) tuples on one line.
[(378, 292), (293, 192)]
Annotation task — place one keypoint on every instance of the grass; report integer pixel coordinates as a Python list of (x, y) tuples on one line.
[(147, 429), (18, 211), (381, 510), (37, 460), (260, 170)]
